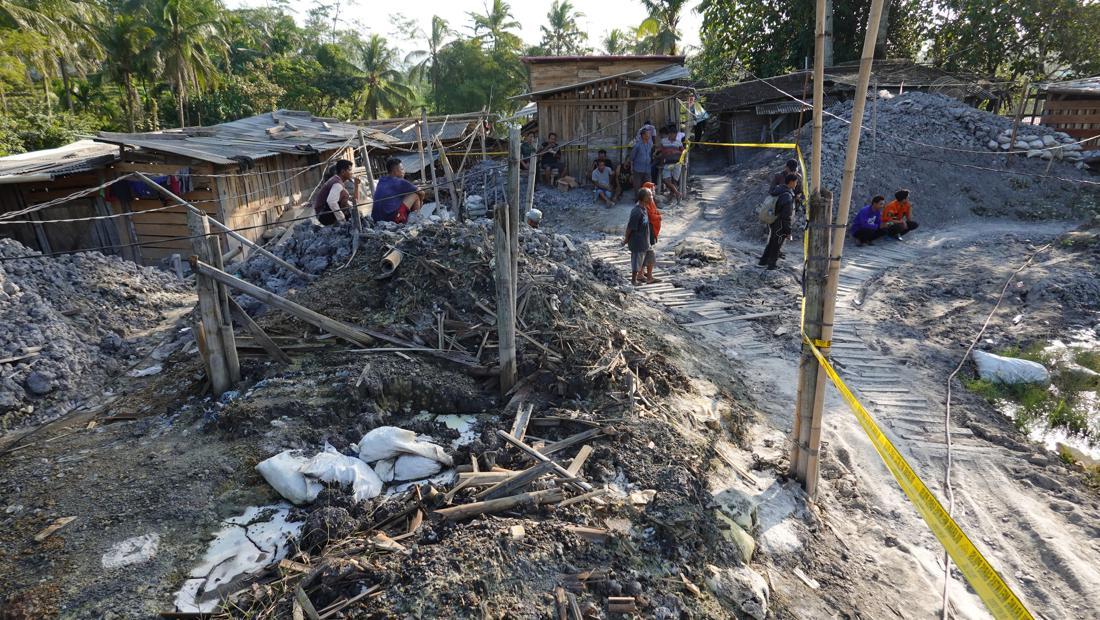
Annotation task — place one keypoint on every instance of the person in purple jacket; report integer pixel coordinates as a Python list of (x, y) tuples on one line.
[(868, 226)]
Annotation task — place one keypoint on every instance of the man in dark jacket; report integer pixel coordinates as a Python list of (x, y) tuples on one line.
[(780, 229), (780, 178)]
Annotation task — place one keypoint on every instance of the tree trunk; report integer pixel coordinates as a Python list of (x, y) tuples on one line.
[(3, 98), (179, 98), (66, 84), (883, 26), (128, 102), (46, 94)]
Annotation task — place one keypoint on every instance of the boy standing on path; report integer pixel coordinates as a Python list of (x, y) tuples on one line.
[(637, 236), (780, 229)]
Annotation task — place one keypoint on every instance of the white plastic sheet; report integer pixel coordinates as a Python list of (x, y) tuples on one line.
[(1009, 370)]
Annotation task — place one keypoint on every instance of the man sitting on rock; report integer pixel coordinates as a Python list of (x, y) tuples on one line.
[(868, 224), (601, 180), (897, 216), (332, 197), (395, 198)]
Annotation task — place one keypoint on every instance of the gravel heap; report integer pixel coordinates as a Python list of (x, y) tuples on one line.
[(950, 186), (78, 312)]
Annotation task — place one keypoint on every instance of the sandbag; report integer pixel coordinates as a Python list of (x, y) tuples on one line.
[(384, 469), (415, 467), (1009, 370), (331, 466), (284, 473), (387, 442)]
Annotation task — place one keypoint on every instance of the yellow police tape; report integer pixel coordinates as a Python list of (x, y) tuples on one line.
[(1001, 601)]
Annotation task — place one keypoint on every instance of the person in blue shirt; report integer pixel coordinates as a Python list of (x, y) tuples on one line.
[(395, 198), (868, 226), (641, 157)]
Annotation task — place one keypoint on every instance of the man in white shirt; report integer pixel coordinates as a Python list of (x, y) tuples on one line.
[(670, 153), (333, 197), (601, 179)]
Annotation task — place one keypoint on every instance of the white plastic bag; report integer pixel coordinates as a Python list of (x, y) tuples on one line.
[(387, 442), (284, 473), (414, 467), (331, 466), (1009, 370)]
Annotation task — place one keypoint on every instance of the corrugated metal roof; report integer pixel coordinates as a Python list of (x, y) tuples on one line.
[(553, 59), (256, 137), (666, 74), (46, 165), (403, 131), (788, 107), (1084, 86), (557, 89), (411, 161)]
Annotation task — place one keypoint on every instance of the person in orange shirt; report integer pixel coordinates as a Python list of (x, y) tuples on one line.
[(654, 231), (897, 216)]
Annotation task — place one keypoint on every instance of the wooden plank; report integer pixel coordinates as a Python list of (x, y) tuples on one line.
[(740, 317), (160, 169), (466, 511), (51, 529), (558, 469), (578, 461), (160, 217), (257, 332), (145, 229)]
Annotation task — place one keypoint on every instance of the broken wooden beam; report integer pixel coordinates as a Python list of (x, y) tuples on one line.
[(52, 528), (534, 498), (724, 319), (516, 482), (561, 471), (523, 418), (238, 313), (316, 319)]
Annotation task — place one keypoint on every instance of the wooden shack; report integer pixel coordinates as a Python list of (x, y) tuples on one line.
[(600, 102), (28, 180), (1073, 107)]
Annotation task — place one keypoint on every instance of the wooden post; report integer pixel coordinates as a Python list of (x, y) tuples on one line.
[(874, 120), (431, 158), (229, 341), (1016, 121), (819, 98), (514, 201), (367, 169), (481, 132), (810, 438), (209, 324), (506, 299), (420, 148), (532, 178), (456, 198)]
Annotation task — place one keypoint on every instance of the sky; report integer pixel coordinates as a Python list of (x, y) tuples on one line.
[(599, 17)]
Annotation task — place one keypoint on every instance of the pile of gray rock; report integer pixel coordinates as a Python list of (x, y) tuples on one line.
[(954, 159), (67, 322)]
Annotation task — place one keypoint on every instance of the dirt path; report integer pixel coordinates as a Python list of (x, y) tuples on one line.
[(871, 553)]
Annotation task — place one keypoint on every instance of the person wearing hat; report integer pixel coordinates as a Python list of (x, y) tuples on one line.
[(534, 217)]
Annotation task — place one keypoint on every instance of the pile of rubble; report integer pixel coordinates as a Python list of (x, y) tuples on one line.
[(575, 492), (951, 156), (67, 322)]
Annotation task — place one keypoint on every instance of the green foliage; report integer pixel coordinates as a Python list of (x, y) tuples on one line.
[(659, 32), (1033, 38), (771, 37), (472, 75), (246, 94), (31, 129), (562, 36), (1063, 404)]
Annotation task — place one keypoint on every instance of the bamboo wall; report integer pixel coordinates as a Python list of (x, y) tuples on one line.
[(605, 115), (59, 236)]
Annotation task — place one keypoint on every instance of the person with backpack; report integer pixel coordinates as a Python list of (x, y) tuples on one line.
[(780, 227)]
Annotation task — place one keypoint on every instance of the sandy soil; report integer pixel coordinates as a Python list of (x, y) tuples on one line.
[(913, 305)]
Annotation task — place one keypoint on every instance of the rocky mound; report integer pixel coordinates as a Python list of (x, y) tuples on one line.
[(68, 322), (952, 156)]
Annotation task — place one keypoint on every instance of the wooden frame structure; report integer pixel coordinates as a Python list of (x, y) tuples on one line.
[(1074, 108)]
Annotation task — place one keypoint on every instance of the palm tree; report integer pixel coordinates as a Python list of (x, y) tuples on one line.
[(563, 36), (68, 25), (187, 33), (495, 23), (384, 88), (124, 41), (423, 62), (617, 43), (661, 28)]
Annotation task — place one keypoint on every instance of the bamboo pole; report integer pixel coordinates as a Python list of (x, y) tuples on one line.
[(506, 292), (514, 200), (208, 332), (1016, 121), (449, 175), (420, 148), (532, 167), (431, 158), (808, 366), (810, 457), (229, 341), (367, 169)]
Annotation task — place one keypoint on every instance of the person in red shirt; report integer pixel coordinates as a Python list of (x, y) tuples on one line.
[(897, 216), (654, 231)]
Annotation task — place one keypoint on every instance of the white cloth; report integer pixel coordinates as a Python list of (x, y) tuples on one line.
[(333, 198)]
